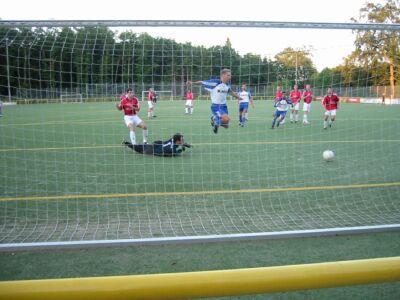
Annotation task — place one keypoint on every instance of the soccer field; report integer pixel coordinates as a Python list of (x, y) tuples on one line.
[(65, 175)]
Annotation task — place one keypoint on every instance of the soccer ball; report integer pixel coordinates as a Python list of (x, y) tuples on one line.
[(225, 119), (328, 155)]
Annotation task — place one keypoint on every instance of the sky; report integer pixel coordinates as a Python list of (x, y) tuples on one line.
[(328, 47)]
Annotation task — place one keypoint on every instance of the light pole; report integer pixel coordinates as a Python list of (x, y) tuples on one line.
[(8, 72)]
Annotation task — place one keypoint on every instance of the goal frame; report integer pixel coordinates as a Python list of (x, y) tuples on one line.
[(71, 96), (144, 95), (203, 24)]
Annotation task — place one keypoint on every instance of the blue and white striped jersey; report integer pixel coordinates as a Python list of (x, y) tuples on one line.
[(282, 104), (245, 95), (218, 90)]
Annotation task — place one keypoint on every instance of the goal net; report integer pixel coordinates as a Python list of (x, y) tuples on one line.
[(71, 98), (160, 95), (65, 176)]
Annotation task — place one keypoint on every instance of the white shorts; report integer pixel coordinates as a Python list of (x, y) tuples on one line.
[(330, 113), (135, 120), (296, 106), (150, 104), (189, 103), (307, 107)]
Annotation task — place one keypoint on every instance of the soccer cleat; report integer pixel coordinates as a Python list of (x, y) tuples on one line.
[(215, 129), (212, 120), (325, 127)]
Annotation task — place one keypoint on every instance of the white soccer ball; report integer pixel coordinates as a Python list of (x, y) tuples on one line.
[(328, 155)]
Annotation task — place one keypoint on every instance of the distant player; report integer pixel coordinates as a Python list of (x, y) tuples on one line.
[(130, 105), (172, 147), (189, 102), (281, 106), (1, 108), (278, 94), (330, 104), (151, 102), (295, 96), (307, 98), (219, 89), (247, 98)]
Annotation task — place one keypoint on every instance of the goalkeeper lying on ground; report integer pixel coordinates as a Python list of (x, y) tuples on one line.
[(172, 147)]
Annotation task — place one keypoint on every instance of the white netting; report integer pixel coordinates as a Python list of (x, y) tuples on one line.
[(64, 174)]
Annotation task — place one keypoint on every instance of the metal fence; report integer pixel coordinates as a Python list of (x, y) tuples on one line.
[(104, 92)]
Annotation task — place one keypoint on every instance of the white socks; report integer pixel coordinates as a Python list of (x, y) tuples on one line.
[(145, 133), (132, 135)]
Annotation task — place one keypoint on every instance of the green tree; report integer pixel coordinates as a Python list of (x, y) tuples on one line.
[(379, 50)]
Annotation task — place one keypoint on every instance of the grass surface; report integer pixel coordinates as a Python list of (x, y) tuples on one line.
[(65, 176), (250, 179)]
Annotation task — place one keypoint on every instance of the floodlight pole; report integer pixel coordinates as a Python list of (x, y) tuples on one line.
[(8, 72)]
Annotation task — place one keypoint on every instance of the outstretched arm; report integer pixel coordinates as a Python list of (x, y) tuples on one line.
[(234, 94), (195, 82), (251, 102)]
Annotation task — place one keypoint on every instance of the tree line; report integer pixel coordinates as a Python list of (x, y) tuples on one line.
[(62, 58)]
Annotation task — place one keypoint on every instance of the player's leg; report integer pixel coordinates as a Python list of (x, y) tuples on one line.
[(333, 117), (145, 132), (296, 112), (224, 115), (244, 112), (150, 109), (132, 134), (215, 117), (327, 115), (130, 123), (276, 116), (187, 107), (240, 114), (306, 110), (291, 115), (153, 114), (191, 108), (281, 119)]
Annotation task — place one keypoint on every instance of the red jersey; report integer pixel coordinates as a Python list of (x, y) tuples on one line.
[(330, 102), (295, 96), (189, 96), (128, 105), (307, 95), (150, 96), (278, 95)]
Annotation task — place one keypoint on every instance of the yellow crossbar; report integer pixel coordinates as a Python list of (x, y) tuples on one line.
[(208, 283)]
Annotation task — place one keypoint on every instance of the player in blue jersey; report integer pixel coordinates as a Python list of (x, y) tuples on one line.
[(281, 106), (219, 89), (247, 98)]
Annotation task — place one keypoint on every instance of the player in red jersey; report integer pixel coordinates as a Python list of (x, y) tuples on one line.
[(307, 98), (278, 94), (189, 102), (151, 102), (330, 104), (295, 96), (130, 105)]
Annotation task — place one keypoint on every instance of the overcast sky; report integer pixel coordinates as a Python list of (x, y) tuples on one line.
[(330, 46)]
